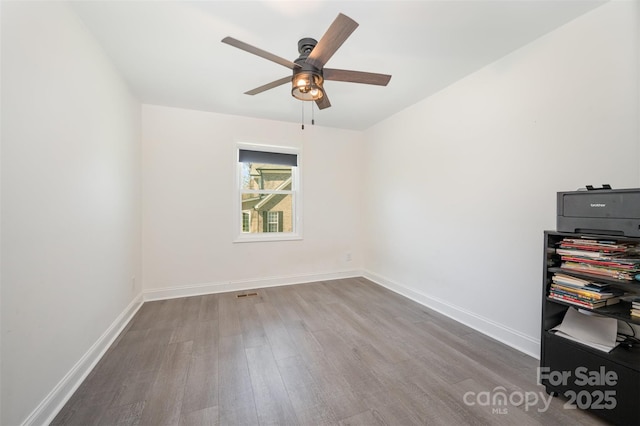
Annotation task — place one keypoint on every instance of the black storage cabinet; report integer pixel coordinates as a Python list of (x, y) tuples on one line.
[(562, 356)]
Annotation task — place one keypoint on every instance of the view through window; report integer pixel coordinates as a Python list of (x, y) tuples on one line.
[(267, 192)]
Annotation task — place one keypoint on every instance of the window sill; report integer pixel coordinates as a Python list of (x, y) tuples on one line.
[(253, 238)]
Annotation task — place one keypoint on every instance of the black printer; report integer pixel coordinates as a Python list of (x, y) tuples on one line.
[(600, 211)]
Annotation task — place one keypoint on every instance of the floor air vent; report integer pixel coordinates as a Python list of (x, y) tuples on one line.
[(246, 295)]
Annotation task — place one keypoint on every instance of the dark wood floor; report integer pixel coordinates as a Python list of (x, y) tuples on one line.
[(335, 352)]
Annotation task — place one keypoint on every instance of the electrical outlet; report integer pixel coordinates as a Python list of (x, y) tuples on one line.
[(347, 256)]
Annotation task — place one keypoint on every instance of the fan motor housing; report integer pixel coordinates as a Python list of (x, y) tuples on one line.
[(306, 45)]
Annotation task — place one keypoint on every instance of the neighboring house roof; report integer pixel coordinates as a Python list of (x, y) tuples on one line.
[(283, 186)]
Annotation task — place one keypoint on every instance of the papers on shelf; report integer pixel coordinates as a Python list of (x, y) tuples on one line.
[(603, 258), (589, 329)]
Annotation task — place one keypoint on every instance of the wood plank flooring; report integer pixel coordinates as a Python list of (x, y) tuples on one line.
[(345, 352)]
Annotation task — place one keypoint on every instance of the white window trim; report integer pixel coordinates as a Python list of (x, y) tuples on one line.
[(244, 237)]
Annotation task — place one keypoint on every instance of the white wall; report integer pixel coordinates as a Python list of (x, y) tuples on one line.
[(461, 185), (188, 197), (70, 202)]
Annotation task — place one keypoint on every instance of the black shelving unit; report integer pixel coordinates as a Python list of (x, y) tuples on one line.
[(579, 372)]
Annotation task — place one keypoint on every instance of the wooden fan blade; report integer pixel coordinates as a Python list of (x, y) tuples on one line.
[(323, 102), (338, 32), (356, 76), (259, 52), (268, 86)]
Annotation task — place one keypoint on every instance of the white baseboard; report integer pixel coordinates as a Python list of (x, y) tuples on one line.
[(500, 332), (46, 411), (240, 285)]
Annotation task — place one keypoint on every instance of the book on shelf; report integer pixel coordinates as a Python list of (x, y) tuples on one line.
[(582, 253), (579, 283), (605, 258), (569, 280), (573, 300), (623, 264), (604, 246), (635, 307), (589, 287), (585, 294), (586, 268)]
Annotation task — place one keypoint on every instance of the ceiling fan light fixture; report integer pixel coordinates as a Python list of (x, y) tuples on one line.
[(308, 70), (307, 86)]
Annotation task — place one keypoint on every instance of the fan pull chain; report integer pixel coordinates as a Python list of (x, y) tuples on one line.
[(313, 121), (302, 115)]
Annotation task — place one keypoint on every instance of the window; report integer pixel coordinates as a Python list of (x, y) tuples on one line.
[(268, 193), (274, 221), (246, 221)]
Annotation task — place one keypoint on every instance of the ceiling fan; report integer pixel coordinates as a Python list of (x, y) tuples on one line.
[(309, 73)]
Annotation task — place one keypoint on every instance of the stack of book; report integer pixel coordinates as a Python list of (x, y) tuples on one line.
[(608, 259), (635, 307), (583, 293)]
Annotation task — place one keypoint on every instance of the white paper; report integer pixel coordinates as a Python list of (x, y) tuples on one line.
[(592, 330)]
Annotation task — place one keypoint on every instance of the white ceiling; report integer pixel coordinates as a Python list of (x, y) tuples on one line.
[(170, 53)]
